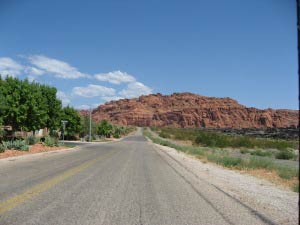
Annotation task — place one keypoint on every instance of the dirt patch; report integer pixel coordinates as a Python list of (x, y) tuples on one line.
[(273, 177), (32, 150)]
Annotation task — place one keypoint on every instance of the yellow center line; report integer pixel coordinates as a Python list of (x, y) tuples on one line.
[(39, 188)]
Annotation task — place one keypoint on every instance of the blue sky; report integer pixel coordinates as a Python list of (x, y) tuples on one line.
[(94, 51)]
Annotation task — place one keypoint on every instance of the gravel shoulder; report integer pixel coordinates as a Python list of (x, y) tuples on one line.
[(261, 195)]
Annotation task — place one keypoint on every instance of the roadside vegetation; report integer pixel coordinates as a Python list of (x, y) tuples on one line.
[(257, 160), (264, 147), (27, 107), (215, 139)]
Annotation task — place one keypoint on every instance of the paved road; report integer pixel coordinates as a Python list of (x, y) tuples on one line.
[(126, 182)]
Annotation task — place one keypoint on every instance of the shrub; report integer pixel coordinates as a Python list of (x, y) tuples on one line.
[(2, 148), (105, 129), (261, 153), (70, 137), (7, 144), (287, 172), (24, 148), (216, 139), (164, 135), (259, 163), (285, 154), (116, 135), (227, 161), (54, 134), (244, 151), (16, 145), (50, 141), (296, 188), (31, 140)]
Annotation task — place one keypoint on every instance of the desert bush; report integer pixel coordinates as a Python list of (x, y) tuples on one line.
[(54, 134), (215, 139), (116, 135), (212, 139), (225, 160), (2, 148), (19, 144), (287, 172), (259, 152), (16, 145), (164, 135), (244, 151), (24, 148), (296, 188), (31, 140), (285, 154), (8, 144), (50, 141), (259, 163)]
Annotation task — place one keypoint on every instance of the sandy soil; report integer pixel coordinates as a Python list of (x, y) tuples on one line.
[(33, 149)]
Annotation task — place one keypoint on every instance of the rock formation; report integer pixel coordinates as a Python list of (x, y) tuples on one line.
[(191, 110)]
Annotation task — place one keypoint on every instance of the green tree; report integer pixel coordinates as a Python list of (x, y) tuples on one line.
[(33, 106), (73, 127), (105, 128), (28, 105), (54, 107)]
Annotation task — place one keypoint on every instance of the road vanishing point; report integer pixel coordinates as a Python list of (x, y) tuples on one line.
[(124, 182)]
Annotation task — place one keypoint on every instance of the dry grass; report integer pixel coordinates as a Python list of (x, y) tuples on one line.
[(273, 177)]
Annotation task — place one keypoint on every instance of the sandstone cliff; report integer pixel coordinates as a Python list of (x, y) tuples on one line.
[(190, 110)]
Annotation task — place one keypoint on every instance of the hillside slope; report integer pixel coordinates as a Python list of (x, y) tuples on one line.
[(191, 110)]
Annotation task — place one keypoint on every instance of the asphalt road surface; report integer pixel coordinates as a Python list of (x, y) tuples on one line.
[(125, 182)]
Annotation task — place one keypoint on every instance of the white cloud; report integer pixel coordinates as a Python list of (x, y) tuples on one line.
[(111, 98), (56, 67), (34, 71), (135, 89), (93, 91), (63, 97), (83, 107), (10, 67), (95, 105), (31, 78), (37, 65), (115, 77)]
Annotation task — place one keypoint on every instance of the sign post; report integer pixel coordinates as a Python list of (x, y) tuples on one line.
[(64, 122)]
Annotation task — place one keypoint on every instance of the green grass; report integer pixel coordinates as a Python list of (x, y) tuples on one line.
[(225, 160), (164, 135), (259, 152), (2, 148), (215, 139), (222, 158), (285, 154), (51, 141), (259, 163), (287, 172), (244, 151), (296, 188)]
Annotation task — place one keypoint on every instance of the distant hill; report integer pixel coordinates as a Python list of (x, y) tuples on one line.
[(191, 110)]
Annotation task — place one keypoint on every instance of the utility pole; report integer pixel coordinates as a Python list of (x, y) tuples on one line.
[(298, 41), (64, 122), (90, 133)]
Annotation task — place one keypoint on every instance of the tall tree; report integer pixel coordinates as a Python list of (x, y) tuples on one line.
[(71, 115), (28, 105), (54, 107)]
